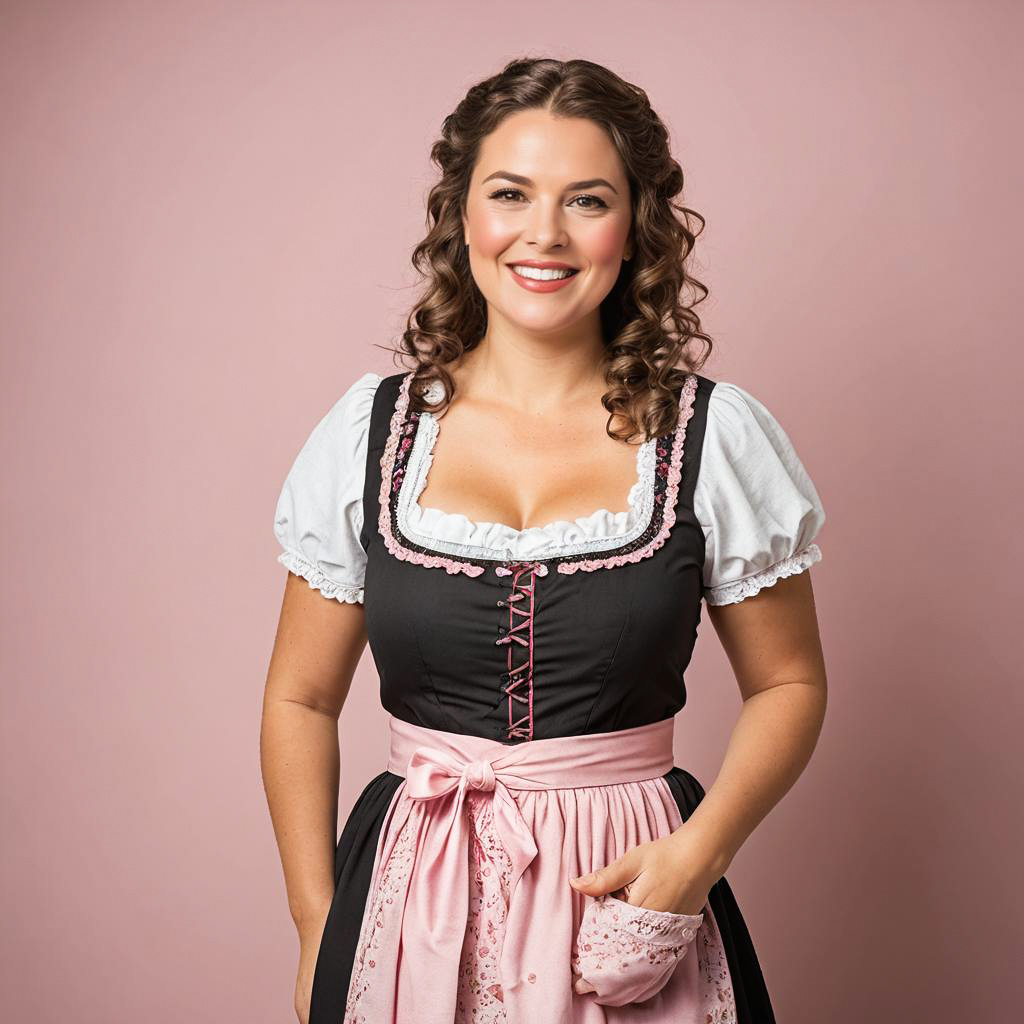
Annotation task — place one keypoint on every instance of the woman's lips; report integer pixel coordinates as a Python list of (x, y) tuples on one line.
[(532, 285)]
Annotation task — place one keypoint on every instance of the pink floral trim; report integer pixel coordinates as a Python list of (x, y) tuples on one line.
[(401, 436), (400, 441), (675, 472)]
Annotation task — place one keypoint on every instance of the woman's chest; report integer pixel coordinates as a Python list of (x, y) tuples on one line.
[(526, 473)]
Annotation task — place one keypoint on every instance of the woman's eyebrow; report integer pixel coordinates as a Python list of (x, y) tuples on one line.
[(519, 179)]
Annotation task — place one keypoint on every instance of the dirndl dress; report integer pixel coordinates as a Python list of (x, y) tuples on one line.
[(531, 680)]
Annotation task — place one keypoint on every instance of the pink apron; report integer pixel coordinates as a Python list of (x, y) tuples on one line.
[(470, 915)]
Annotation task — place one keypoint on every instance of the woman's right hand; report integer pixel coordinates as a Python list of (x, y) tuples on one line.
[(310, 937)]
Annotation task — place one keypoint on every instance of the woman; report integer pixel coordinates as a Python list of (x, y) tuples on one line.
[(530, 649)]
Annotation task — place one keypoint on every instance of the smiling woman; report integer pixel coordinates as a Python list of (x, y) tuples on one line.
[(530, 580), (529, 220)]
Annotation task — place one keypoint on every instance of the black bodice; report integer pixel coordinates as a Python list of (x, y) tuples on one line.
[(561, 646)]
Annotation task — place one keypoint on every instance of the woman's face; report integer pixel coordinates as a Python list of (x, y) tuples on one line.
[(547, 190)]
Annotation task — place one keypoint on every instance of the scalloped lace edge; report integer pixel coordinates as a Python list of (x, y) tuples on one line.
[(319, 580), (452, 565), (731, 593)]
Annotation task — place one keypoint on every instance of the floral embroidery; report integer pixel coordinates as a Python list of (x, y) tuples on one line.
[(480, 996), (666, 478), (625, 953), (715, 984), (380, 915)]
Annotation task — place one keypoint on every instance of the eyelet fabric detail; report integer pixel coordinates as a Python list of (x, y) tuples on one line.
[(625, 953)]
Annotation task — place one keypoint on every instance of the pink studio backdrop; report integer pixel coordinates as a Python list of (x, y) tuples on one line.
[(207, 213)]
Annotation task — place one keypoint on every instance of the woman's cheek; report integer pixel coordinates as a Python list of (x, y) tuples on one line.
[(604, 246), (491, 237)]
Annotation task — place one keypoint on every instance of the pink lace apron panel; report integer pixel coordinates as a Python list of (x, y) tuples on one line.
[(470, 916)]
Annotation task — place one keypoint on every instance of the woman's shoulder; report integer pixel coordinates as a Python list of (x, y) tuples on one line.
[(739, 419), (360, 392), (349, 412), (745, 439), (728, 398), (338, 438)]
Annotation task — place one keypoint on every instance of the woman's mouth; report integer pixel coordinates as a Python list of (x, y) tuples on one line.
[(533, 279)]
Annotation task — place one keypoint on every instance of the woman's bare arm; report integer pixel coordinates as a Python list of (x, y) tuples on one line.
[(774, 647), (318, 645)]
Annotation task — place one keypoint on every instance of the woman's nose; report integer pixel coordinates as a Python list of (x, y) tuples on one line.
[(547, 227)]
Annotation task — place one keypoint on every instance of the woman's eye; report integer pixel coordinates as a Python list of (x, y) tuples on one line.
[(595, 199), (593, 202)]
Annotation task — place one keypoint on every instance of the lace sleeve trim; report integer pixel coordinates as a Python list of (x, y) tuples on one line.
[(731, 593), (319, 580)]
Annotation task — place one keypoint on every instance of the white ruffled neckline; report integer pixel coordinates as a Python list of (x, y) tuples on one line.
[(456, 534)]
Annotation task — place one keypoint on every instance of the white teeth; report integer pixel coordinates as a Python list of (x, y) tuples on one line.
[(541, 275)]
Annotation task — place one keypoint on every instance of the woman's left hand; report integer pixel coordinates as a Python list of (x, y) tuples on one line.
[(670, 874)]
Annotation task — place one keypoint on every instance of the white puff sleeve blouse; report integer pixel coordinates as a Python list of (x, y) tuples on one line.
[(756, 504), (319, 513)]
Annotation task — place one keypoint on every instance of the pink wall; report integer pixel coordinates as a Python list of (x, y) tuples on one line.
[(207, 213)]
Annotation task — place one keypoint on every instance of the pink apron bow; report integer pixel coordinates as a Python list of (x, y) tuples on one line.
[(437, 908), (434, 773)]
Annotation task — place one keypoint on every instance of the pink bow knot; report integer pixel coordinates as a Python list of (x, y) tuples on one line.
[(432, 773), (480, 775)]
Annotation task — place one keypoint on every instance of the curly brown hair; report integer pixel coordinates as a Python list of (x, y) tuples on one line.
[(646, 326)]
